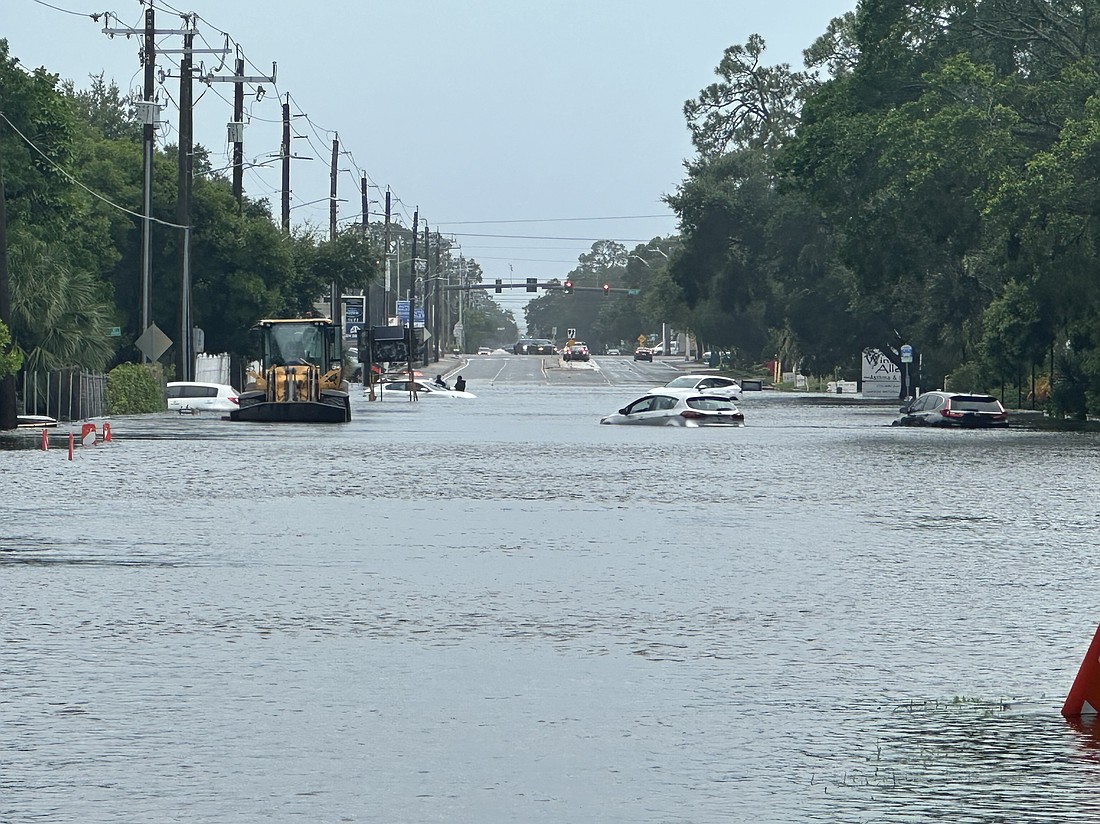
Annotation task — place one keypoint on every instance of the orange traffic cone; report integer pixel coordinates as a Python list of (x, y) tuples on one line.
[(1084, 695), (106, 431)]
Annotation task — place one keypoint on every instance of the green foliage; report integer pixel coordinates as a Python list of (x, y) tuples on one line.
[(134, 389), (10, 358)]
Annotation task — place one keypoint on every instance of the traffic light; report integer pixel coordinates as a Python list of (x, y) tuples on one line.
[(567, 287), (532, 284), (498, 289), (606, 289)]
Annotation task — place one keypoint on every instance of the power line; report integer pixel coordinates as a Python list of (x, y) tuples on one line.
[(551, 237), (94, 194), (552, 220)]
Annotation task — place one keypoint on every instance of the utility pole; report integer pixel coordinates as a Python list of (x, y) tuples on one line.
[(238, 135), (8, 415), (427, 281), (435, 307), (148, 114), (284, 151), (364, 197), (334, 294), (183, 211), (412, 295), (236, 127), (388, 286)]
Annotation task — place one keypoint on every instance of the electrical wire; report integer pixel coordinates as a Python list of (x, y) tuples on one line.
[(73, 179)]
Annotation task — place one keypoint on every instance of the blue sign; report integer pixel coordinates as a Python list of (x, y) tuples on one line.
[(907, 354), (403, 312)]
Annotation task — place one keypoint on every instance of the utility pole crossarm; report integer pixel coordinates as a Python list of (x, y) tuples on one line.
[(210, 77)]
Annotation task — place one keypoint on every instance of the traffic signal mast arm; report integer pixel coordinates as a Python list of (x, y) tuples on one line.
[(548, 286)]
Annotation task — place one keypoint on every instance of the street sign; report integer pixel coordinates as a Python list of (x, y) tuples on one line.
[(906, 353), (153, 342), (571, 333), (352, 329), (114, 331)]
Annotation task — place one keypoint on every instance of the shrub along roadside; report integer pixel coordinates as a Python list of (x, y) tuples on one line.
[(133, 389)]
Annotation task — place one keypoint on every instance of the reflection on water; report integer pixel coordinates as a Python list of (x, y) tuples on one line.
[(501, 611)]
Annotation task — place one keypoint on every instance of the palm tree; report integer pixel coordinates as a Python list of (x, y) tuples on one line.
[(59, 317)]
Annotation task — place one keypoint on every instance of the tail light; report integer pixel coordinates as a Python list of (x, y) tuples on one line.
[(691, 414), (234, 400), (948, 412)]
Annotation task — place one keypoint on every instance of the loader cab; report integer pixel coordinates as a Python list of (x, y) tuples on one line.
[(309, 341)]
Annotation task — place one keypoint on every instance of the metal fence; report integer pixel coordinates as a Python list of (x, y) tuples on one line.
[(66, 395)]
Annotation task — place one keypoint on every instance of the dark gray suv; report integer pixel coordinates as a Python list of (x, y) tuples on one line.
[(953, 409)]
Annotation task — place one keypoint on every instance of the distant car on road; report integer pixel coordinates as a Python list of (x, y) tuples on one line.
[(484, 350), (708, 385), (957, 409), (641, 353), (678, 407), (533, 346), (196, 396), (577, 352), (613, 352)]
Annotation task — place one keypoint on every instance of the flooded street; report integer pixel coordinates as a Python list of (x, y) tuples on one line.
[(497, 610)]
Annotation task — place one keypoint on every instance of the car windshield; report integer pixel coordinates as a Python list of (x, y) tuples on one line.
[(975, 403), (711, 404), (683, 381)]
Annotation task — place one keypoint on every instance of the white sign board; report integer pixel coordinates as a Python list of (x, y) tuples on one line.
[(881, 376)]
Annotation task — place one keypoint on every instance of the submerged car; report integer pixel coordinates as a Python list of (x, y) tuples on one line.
[(678, 407), (641, 353), (423, 388), (484, 350), (196, 396), (708, 385), (959, 409)]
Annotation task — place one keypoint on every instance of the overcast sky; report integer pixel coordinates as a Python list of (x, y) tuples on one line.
[(481, 113)]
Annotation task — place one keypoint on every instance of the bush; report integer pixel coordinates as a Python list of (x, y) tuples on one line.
[(133, 389)]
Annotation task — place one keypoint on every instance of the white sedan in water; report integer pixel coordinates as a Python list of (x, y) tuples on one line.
[(678, 407), (708, 385), (424, 389)]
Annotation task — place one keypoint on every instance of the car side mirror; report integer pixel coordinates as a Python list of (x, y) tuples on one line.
[(623, 411), (904, 410)]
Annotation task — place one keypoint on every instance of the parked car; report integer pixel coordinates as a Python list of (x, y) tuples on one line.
[(577, 352), (196, 396), (708, 385), (953, 409), (678, 407), (534, 346), (641, 353)]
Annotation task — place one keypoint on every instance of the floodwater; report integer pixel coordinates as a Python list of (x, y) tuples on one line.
[(497, 610)]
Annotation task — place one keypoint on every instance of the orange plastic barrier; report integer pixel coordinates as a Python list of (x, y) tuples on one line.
[(106, 431), (1084, 695), (87, 434)]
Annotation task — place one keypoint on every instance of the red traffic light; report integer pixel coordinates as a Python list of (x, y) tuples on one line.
[(607, 288), (567, 287)]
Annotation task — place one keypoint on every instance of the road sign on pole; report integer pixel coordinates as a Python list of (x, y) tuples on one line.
[(906, 353)]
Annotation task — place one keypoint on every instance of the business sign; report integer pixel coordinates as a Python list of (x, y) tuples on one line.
[(881, 376), (403, 312)]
